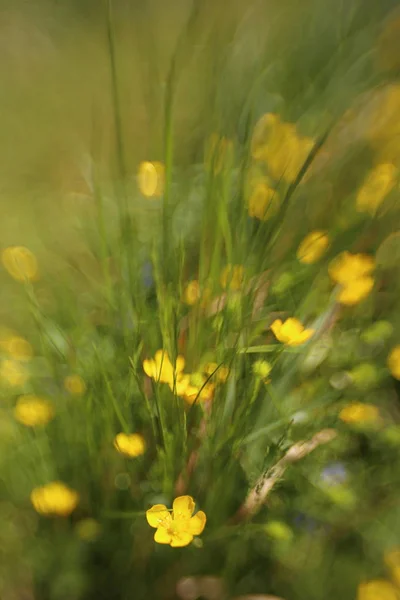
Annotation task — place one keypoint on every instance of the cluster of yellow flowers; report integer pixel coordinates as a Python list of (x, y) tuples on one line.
[(353, 273), (188, 386), (280, 146)]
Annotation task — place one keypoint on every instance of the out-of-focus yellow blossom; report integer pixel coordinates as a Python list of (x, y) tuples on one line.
[(291, 332), (393, 362), (263, 202), (347, 267), (130, 444), (313, 247), (176, 528), (20, 263), (192, 293), (232, 277), (75, 385), (221, 373), (262, 368), (359, 413), (352, 272), (197, 389), (377, 589), (392, 559), (17, 347), (352, 293), (376, 187), (13, 373), (54, 499), (279, 144), (88, 530), (151, 178), (33, 411), (160, 368)]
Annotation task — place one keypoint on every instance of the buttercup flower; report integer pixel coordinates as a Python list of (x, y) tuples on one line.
[(33, 411), (263, 202), (16, 347), (151, 178), (75, 385), (377, 589), (393, 362), (160, 368), (291, 332), (232, 277), (262, 368), (196, 389), (313, 247), (359, 413), (376, 187), (130, 444), (192, 293), (20, 263), (54, 499), (179, 527), (352, 272)]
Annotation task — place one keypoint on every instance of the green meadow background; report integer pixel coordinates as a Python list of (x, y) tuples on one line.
[(89, 90)]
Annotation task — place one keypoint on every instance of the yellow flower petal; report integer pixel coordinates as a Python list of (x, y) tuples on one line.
[(355, 291), (357, 412), (75, 385), (151, 178), (132, 444), (149, 367), (20, 263), (347, 267), (183, 507), (197, 523), (312, 247), (393, 362), (276, 327), (181, 539), (55, 498), (378, 589), (33, 411), (158, 516), (162, 536)]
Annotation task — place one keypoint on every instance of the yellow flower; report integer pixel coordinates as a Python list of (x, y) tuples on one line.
[(377, 589), (392, 559), (291, 332), (352, 293), (179, 527), (75, 385), (352, 272), (232, 277), (54, 499), (160, 368), (262, 368), (17, 347), (32, 411), (347, 267), (263, 202), (279, 144), (130, 444), (20, 263), (195, 383), (357, 412), (312, 247), (151, 178), (192, 293), (393, 362), (376, 187)]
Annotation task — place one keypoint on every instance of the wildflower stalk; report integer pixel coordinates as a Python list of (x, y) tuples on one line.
[(257, 496)]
